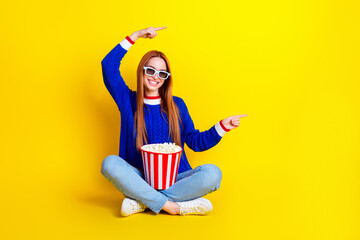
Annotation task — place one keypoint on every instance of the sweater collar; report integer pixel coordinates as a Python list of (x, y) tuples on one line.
[(150, 100)]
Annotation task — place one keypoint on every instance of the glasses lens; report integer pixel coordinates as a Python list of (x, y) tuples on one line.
[(150, 71), (163, 75)]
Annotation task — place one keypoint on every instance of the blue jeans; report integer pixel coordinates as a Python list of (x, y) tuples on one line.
[(189, 185)]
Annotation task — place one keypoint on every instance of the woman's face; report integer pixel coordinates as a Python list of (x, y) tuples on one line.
[(153, 83)]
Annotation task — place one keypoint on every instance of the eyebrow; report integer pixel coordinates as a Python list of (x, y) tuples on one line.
[(155, 68)]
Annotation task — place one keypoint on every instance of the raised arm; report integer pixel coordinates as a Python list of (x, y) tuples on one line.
[(113, 80), (111, 64)]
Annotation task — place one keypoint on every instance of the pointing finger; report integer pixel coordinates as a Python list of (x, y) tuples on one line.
[(237, 117), (159, 28)]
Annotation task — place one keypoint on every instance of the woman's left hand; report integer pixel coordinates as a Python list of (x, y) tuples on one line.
[(232, 122)]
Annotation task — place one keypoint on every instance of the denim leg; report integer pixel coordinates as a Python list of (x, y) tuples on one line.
[(129, 181), (194, 183)]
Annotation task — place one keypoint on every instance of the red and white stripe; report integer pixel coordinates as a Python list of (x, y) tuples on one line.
[(160, 169), (152, 100), (221, 129), (126, 43)]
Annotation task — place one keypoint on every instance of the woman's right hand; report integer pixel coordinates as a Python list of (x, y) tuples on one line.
[(145, 33)]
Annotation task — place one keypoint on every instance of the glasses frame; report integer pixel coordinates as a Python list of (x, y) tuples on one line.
[(157, 72)]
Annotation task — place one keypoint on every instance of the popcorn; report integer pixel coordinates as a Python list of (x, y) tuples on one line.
[(162, 148), (161, 164)]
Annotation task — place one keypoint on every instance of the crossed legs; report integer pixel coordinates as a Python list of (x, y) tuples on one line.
[(189, 185)]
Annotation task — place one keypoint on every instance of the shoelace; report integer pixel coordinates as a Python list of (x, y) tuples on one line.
[(189, 208), (136, 206)]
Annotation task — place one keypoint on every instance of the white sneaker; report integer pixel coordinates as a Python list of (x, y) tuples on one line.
[(197, 206), (131, 206)]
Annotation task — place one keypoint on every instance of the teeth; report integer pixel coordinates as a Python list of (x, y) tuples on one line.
[(153, 82)]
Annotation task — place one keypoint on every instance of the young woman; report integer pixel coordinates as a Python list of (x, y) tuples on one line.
[(153, 115)]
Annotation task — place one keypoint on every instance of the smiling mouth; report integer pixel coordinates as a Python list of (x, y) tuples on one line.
[(153, 83)]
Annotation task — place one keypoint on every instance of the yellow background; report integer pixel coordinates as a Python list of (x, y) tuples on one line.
[(290, 170)]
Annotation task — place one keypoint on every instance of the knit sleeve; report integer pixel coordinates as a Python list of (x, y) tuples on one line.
[(195, 139), (113, 80)]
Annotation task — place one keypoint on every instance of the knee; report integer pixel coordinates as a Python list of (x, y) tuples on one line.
[(110, 163), (213, 176)]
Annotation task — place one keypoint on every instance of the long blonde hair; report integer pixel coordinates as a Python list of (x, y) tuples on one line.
[(167, 104)]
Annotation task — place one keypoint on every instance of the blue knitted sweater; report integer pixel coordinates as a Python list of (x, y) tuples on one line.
[(156, 123)]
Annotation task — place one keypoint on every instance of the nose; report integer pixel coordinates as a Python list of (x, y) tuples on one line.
[(156, 75)]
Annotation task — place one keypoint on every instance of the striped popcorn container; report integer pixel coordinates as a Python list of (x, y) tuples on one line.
[(160, 169)]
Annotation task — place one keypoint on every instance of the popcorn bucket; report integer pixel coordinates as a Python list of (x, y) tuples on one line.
[(160, 169)]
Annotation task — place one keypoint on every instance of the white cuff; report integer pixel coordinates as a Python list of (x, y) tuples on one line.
[(125, 44), (219, 129)]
